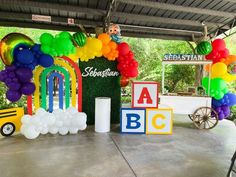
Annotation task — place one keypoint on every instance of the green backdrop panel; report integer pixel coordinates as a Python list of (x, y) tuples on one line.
[(100, 87)]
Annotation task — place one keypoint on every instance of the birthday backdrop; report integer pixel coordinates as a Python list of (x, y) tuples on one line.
[(80, 66)]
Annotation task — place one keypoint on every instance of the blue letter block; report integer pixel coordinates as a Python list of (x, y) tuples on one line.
[(132, 120)]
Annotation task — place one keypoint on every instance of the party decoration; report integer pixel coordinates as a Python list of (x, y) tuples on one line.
[(24, 74), (204, 48), (31, 57), (114, 32), (45, 60), (9, 43), (145, 94), (59, 121), (13, 95), (229, 99), (91, 50), (79, 38), (109, 48), (222, 111), (10, 120), (127, 65), (59, 45), (18, 82), (219, 44), (219, 51), (221, 70), (218, 87), (124, 81)]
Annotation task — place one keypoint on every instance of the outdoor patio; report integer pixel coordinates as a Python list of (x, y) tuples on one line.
[(189, 152)]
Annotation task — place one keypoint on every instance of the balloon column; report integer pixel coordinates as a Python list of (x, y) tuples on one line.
[(223, 70), (20, 55)]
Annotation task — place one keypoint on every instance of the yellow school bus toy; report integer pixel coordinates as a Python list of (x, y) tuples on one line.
[(10, 120)]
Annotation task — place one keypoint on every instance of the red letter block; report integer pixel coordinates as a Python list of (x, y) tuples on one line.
[(145, 94)]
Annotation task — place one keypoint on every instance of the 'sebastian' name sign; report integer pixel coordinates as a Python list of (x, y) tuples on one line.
[(92, 72), (183, 57)]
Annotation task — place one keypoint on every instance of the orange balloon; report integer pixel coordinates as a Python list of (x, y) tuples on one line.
[(112, 44), (105, 38), (106, 49), (230, 59), (207, 67)]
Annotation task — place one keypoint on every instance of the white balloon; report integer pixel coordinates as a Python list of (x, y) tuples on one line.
[(57, 111), (22, 128), (63, 131), (83, 127), (44, 131), (26, 119), (71, 110), (53, 130), (58, 123), (31, 133), (51, 119), (73, 130), (40, 112), (35, 120)]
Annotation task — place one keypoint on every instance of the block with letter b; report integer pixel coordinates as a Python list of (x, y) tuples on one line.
[(145, 94), (159, 121), (132, 120)]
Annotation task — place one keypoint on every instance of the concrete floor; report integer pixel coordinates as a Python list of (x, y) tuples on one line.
[(189, 152)]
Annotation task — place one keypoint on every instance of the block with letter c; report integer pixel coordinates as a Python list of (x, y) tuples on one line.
[(159, 121)]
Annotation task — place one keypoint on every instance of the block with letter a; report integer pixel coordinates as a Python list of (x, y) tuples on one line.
[(159, 121), (132, 120), (145, 94)]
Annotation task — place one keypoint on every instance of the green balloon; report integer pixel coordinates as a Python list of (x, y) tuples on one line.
[(205, 81), (65, 35), (46, 38), (218, 87), (45, 49)]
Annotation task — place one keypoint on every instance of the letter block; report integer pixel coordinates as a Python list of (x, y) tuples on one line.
[(145, 94), (159, 121), (132, 120)]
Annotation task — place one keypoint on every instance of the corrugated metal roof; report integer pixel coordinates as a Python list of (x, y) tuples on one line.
[(166, 19)]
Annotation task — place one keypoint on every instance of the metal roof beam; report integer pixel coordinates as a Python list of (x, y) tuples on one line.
[(178, 8), (42, 26), (163, 20), (156, 36), (178, 32), (99, 12), (54, 19), (90, 30)]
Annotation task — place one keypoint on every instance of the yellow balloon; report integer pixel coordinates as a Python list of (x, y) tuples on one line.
[(228, 77), (218, 69)]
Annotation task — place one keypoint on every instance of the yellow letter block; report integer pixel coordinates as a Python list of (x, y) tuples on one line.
[(159, 121)]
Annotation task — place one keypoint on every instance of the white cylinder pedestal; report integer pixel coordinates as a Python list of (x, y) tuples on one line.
[(102, 114)]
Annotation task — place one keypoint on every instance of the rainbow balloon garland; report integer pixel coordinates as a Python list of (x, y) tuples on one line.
[(223, 71), (29, 66)]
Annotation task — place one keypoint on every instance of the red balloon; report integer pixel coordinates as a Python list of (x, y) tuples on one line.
[(123, 48), (218, 44), (124, 81), (224, 53)]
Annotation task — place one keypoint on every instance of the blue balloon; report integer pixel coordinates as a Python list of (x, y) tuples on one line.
[(36, 48), (46, 60), (25, 56), (229, 99)]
